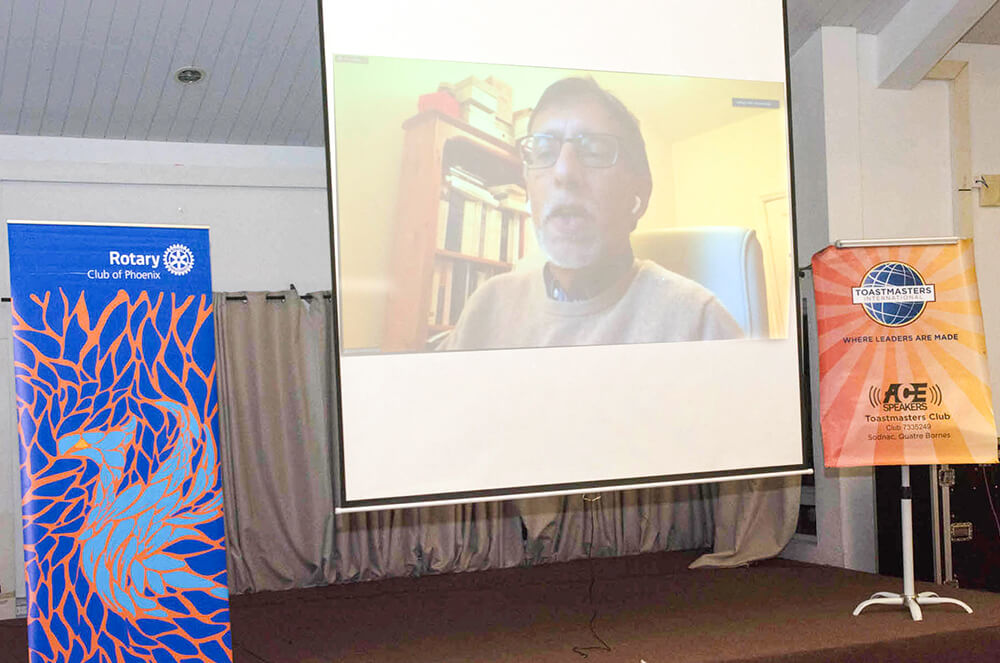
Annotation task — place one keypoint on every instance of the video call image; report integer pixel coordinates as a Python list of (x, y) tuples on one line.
[(483, 206)]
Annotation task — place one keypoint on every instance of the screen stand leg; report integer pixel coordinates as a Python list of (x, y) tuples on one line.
[(909, 598)]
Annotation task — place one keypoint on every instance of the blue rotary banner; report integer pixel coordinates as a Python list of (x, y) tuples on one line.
[(114, 360)]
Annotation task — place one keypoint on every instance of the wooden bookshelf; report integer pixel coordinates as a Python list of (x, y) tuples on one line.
[(446, 161), (479, 260)]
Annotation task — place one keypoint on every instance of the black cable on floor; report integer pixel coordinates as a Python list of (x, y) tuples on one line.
[(604, 646)]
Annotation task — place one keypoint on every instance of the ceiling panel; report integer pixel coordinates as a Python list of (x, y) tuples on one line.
[(156, 86), (253, 50), (88, 67), (300, 50), (821, 9), (866, 16), (846, 13), (803, 17), (317, 131), (987, 30), (216, 33), (266, 73), (105, 68), (300, 129), (59, 88), (220, 70), (123, 30), (190, 30), (116, 104), (305, 93), (48, 20), (877, 15), (20, 28)]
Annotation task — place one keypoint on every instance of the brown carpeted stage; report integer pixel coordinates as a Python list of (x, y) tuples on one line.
[(650, 607)]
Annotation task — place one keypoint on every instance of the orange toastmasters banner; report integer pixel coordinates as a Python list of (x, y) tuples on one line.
[(902, 357)]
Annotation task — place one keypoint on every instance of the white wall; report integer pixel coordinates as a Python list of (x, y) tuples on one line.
[(869, 163), (266, 208), (905, 155), (984, 100), (809, 148)]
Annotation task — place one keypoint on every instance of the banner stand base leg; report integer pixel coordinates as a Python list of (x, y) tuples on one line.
[(911, 602), (909, 598)]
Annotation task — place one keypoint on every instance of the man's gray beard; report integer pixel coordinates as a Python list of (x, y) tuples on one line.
[(568, 255)]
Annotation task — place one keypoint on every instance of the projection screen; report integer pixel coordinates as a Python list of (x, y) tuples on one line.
[(562, 247)]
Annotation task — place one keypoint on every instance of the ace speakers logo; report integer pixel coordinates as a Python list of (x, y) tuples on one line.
[(893, 294), (897, 396)]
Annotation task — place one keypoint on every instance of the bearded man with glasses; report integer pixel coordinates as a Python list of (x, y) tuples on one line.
[(588, 182)]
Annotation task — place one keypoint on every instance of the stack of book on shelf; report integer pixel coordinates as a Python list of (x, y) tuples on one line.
[(480, 233), (487, 105)]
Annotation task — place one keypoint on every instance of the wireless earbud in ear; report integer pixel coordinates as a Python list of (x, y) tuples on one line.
[(637, 205)]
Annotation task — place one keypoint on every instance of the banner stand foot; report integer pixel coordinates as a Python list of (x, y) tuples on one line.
[(911, 602), (909, 598)]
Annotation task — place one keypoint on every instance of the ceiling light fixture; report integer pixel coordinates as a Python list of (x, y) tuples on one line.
[(190, 75)]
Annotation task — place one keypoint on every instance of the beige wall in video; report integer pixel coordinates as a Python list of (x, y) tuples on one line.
[(734, 176)]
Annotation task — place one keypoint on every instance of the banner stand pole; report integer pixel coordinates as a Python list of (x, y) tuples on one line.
[(909, 598)]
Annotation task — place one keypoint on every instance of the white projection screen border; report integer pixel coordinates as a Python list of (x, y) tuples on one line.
[(445, 397)]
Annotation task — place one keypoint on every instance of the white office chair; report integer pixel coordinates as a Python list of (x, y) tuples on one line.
[(725, 259)]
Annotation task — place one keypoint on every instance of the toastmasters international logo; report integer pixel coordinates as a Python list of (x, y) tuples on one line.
[(893, 294)]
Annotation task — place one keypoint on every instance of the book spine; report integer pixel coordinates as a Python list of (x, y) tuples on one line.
[(444, 305), (484, 211), (505, 228), (522, 232), (444, 207), (491, 233), (472, 222), (453, 230), (434, 311)]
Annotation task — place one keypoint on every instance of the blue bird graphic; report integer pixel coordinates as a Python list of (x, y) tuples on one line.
[(130, 525)]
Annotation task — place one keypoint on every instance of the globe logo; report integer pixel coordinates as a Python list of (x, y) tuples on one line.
[(898, 294)]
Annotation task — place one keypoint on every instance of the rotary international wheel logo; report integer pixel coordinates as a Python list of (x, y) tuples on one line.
[(178, 259)]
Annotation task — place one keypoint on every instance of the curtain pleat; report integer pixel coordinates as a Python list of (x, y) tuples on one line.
[(276, 440), (281, 471)]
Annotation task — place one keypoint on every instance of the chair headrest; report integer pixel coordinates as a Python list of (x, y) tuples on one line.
[(725, 259)]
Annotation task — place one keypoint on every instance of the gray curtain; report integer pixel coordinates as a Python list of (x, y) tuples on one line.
[(279, 465), (274, 423)]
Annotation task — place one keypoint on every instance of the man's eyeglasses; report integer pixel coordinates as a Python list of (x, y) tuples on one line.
[(593, 150)]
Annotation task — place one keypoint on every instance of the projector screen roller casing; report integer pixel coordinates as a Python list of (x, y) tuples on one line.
[(426, 427)]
